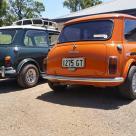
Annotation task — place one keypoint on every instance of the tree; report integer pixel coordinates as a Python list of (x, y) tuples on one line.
[(20, 9), (73, 5), (76, 5), (89, 3), (3, 7)]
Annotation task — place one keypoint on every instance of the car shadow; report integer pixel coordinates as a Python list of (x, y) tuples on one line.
[(87, 97), (10, 85)]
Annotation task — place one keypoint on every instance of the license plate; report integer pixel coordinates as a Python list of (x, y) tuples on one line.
[(73, 62)]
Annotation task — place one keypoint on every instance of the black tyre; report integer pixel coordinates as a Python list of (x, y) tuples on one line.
[(56, 87), (128, 88), (28, 76)]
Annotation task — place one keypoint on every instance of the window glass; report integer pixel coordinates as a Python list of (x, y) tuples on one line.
[(85, 31), (37, 38), (41, 41), (28, 41), (53, 37), (130, 30), (6, 36)]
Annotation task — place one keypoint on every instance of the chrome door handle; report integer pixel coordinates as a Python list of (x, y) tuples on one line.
[(119, 47)]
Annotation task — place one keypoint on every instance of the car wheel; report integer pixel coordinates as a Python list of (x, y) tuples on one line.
[(28, 76), (56, 86), (128, 88)]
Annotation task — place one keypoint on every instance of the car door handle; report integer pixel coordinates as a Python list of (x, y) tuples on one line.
[(119, 47)]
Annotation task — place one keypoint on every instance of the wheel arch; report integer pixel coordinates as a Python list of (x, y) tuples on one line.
[(129, 64), (27, 61)]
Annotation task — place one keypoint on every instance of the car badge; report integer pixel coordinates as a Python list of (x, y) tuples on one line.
[(74, 46), (74, 51)]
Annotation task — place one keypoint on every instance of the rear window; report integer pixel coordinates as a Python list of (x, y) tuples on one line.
[(6, 36), (87, 31)]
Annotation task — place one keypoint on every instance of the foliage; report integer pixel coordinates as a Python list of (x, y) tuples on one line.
[(20, 9), (89, 3), (3, 6), (76, 5)]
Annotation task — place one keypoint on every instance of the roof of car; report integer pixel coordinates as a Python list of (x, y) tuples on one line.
[(100, 16), (27, 27)]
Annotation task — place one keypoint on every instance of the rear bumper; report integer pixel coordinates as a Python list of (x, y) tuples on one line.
[(7, 72), (84, 80)]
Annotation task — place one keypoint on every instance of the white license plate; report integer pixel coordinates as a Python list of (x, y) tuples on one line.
[(73, 62)]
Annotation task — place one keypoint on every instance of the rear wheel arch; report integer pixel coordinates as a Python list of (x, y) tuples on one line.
[(26, 62), (128, 88), (129, 64)]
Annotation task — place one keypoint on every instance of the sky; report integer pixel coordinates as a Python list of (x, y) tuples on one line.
[(54, 8)]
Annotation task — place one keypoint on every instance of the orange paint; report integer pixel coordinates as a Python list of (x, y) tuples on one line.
[(96, 54)]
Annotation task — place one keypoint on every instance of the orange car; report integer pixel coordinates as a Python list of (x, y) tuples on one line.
[(97, 50)]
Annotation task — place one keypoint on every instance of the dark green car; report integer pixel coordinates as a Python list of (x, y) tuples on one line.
[(23, 51)]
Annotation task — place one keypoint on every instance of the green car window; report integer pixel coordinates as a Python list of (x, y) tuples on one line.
[(37, 38), (6, 36)]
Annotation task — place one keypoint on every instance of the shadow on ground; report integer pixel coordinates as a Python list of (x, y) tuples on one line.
[(10, 85), (87, 97)]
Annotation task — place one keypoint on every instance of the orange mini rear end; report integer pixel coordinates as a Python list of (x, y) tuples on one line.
[(90, 51)]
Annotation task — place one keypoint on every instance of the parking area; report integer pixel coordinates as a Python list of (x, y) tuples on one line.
[(78, 111)]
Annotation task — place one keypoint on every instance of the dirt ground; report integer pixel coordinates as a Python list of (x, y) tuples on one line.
[(78, 111)]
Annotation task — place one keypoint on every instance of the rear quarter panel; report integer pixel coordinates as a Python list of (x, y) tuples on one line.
[(117, 39), (129, 54)]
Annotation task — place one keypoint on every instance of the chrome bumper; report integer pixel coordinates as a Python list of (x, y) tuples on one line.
[(7, 71), (91, 80)]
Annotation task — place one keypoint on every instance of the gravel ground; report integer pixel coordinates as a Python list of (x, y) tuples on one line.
[(79, 111)]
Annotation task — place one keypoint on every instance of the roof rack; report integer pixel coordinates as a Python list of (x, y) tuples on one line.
[(41, 22)]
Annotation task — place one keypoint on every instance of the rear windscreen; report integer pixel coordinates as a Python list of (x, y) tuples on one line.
[(6, 36), (87, 31)]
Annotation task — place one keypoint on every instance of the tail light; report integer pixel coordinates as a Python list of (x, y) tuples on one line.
[(113, 62), (7, 61)]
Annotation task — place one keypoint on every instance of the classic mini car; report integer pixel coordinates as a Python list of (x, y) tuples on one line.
[(97, 50), (23, 50)]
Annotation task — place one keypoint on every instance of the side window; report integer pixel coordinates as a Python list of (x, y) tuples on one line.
[(5, 39), (41, 39), (53, 37), (7, 36), (130, 30), (28, 41), (36, 38)]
